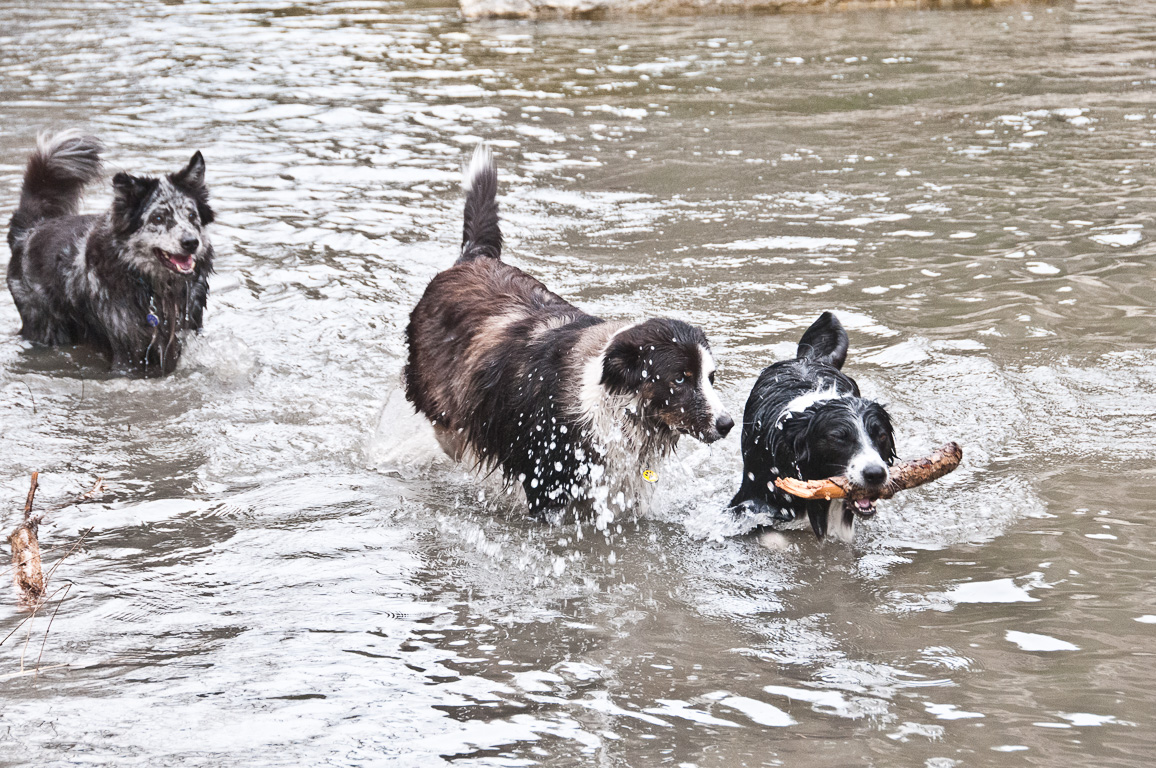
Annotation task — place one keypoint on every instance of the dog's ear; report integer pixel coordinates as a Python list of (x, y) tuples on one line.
[(193, 174), (878, 424), (622, 367), (130, 194), (824, 342), (797, 434), (191, 181), (131, 189)]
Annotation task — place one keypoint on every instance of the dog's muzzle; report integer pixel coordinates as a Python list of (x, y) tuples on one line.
[(719, 429), (874, 478)]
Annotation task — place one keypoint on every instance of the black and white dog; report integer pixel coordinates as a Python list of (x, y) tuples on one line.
[(128, 280), (805, 419), (571, 406)]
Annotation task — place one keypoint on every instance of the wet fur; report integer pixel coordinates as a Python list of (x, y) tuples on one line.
[(570, 406), (94, 279), (806, 419)]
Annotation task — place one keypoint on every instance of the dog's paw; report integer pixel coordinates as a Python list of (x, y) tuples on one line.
[(763, 512), (549, 515)]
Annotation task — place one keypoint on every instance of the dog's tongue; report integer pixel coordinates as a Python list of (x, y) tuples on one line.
[(183, 263)]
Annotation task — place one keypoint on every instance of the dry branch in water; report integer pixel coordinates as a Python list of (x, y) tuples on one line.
[(96, 491), (26, 552), (904, 475), (31, 578)]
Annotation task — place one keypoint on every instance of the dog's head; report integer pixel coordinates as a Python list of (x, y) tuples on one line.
[(849, 436), (667, 364), (162, 221)]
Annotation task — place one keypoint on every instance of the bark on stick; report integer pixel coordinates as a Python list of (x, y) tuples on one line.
[(904, 475), (26, 551)]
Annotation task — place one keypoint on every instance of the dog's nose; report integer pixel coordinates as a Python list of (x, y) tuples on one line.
[(190, 244), (875, 475), (723, 424)]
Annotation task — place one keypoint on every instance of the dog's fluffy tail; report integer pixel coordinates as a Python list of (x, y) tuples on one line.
[(481, 235), (57, 173)]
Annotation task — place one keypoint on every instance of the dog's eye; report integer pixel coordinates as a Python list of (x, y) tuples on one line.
[(680, 380), (193, 217), (157, 218)]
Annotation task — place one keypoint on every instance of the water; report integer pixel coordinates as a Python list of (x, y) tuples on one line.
[(287, 571)]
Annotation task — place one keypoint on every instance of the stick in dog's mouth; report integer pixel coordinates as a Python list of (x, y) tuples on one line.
[(861, 501), (181, 263)]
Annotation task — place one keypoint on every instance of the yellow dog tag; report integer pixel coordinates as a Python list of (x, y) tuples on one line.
[(650, 476)]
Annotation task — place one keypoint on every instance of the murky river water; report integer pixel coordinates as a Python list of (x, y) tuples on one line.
[(287, 572)]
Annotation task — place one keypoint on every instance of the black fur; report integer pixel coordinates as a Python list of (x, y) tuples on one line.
[(97, 279), (816, 442)]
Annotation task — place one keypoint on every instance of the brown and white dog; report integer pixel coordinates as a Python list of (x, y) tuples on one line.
[(573, 407)]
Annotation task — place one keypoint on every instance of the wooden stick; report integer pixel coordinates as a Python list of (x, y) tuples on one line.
[(31, 495), (26, 551), (904, 475), (23, 672), (96, 491)]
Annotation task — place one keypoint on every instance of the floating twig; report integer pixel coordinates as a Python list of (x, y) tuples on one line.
[(98, 488), (23, 672), (31, 494), (31, 578), (25, 383), (26, 552), (27, 564), (66, 589)]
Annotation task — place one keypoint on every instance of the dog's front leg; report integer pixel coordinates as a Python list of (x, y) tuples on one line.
[(756, 507), (128, 358), (547, 504), (122, 362)]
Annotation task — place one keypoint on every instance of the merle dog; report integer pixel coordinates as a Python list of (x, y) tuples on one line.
[(805, 419), (571, 406), (128, 281)]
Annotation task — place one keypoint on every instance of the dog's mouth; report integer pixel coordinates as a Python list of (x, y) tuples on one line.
[(861, 507), (180, 263), (707, 437), (703, 436)]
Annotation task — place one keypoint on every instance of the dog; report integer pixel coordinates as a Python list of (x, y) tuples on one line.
[(128, 281), (805, 419), (573, 407)]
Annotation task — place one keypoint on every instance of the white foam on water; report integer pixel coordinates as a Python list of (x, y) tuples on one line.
[(950, 712), (785, 243), (1086, 719), (684, 711), (758, 711), (1029, 641), (997, 591), (1119, 239)]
